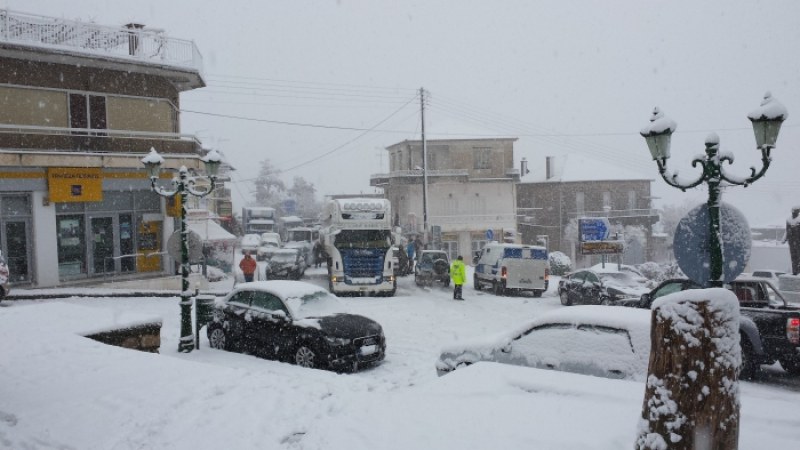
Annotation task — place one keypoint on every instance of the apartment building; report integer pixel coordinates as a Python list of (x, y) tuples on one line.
[(567, 188), (80, 105), (471, 189)]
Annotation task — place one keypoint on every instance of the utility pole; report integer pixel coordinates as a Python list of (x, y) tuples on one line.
[(424, 167)]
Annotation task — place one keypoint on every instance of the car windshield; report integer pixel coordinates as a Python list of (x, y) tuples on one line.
[(619, 280), (315, 304), (284, 257)]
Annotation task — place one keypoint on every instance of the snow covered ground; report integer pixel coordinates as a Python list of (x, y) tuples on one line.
[(59, 390)]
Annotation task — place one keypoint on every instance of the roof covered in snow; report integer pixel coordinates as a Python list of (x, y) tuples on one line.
[(577, 168)]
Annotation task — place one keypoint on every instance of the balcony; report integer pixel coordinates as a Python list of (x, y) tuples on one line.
[(32, 138), (89, 44), (415, 176)]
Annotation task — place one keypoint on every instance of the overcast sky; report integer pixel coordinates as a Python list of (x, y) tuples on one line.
[(563, 77)]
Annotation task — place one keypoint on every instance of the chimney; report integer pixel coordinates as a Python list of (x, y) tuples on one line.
[(548, 167)]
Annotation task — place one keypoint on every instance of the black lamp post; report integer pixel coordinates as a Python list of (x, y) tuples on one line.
[(182, 186), (766, 121)]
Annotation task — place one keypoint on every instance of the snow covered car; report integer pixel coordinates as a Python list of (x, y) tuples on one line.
[(610, 342), (4, 276), (286, 263), (250, 243), (590, 287), (296, 322), (267, 248)]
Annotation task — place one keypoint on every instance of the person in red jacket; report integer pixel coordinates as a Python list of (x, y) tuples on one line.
[(248, 266)]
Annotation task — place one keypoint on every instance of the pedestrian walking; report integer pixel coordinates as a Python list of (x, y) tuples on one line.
[(410, 248), (458, 273), (248, 266)]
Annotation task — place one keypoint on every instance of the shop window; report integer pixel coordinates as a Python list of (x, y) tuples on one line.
[(71, 246)]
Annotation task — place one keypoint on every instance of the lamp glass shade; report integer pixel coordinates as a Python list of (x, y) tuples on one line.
[(212, 162), (153, 169), (659, 144), (766, 131)]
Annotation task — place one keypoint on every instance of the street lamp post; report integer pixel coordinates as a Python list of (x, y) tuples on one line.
[(766, 121), (182, 186)]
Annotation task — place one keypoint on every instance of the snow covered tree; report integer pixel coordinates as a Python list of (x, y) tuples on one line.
[(268, 185), (303, 193), (559, 263)]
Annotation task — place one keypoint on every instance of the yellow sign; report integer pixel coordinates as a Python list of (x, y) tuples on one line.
[(174, 206), (602, 247), (75, 184)]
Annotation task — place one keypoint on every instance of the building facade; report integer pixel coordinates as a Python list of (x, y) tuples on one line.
[(573, 187), (80, 105), (471, 188)]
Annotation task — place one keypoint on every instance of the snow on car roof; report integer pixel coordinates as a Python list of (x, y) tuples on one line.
[(635, 320)]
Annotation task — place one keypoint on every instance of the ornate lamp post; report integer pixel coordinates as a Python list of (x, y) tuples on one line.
[(766, 121), (182, 186)]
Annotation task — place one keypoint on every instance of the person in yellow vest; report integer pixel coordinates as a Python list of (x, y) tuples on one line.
[(458, 273)]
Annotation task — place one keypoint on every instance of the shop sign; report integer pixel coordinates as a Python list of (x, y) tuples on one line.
[(75, 184)]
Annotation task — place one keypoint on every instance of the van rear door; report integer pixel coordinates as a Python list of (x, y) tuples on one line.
[(526, 268)]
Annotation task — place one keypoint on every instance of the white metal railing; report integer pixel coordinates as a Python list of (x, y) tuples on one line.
[(135, 43), (418, 173), (103, 132)]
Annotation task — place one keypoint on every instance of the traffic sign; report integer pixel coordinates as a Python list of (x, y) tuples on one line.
[(593, 228), (691, 243), (602, 247), (489, 234)]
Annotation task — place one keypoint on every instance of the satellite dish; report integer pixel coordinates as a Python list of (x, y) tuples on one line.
[(691, 243), (193, 241)]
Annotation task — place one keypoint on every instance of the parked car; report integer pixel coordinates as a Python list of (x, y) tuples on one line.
[(4, 277), (250, 243), (432, 266), (769, 327), (267, 248), (286, 263), (512, 268), (770, 274), (590, 287), (296, 322), (614, 267), (271, 236), (590, 340)]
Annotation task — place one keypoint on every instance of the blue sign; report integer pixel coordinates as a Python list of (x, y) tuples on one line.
[(593, 228), (289, 206), (489, 234), (691, 244)]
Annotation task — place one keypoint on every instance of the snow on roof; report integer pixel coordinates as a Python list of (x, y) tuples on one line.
[(574, 168), (210, 231)]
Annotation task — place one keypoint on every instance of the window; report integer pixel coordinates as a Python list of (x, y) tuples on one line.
[(87, 111), (242, 298), (606, 200), (482, 158), (579, 202), (632, 200), (267, 302)]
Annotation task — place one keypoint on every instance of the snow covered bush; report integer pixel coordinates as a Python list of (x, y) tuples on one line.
[(559, 263), (652, 271)]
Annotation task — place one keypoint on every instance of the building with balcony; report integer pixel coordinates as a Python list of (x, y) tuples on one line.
[(571, 187), (80, 105), (471, 188)]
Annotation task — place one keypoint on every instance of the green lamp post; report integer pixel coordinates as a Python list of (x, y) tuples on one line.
[(766, 121), (182, 186)]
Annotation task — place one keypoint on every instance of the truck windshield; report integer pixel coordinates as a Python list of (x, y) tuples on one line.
[(299, 235), (363, 239)]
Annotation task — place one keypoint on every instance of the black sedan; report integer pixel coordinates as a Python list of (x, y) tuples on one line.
[(296, 322), (592, 287)]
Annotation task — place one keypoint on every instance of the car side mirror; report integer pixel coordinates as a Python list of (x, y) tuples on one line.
[(506, 348), (644, 301)]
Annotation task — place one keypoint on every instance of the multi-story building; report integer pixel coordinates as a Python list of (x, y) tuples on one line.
[(571, 187), (80, 105), (470, 189)]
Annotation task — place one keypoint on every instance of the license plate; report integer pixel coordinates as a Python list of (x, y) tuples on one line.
[(366, 350), (369, 341)]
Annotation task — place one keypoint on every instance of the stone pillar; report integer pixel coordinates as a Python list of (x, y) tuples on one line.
[(793, 238)]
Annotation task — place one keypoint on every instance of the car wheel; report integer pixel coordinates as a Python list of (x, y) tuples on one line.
[(217, 338), (498, 288), (748, 369), (565, 298), (305, 356), (447, 282), (605, 301), (476, 284), (537, 293), (791, 365)]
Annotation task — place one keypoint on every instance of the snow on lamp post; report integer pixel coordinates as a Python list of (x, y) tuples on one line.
[(766, 121), (182, 186)]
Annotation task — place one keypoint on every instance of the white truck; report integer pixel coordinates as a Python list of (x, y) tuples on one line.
[(356, 234), (512, 268)]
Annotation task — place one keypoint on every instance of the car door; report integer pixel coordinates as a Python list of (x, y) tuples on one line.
[(269, 320), (574, 285), (591, 289), (237, 317)]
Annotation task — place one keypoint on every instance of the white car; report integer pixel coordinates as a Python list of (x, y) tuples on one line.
[(250, 243), (603, 341), (267, 247)]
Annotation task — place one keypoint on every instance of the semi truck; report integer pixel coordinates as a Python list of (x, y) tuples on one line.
[(258, 219), (356, 235)]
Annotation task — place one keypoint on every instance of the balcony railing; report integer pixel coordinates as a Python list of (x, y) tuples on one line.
[(135, 43), (619, 213)]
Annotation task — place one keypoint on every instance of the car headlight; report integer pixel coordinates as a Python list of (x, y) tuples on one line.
[(337, 341)]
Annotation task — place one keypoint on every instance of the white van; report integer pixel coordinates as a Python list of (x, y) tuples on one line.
[(512, 268)]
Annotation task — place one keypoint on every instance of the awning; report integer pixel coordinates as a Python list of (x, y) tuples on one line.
[(208, 230)]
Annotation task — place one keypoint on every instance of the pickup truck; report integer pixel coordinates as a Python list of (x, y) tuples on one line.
[(768, 325)]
